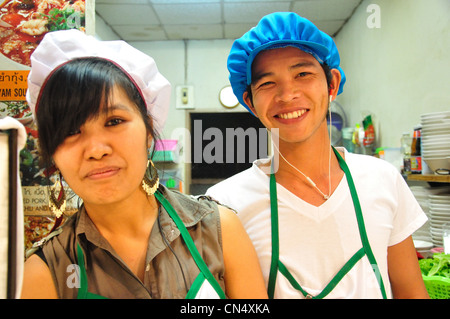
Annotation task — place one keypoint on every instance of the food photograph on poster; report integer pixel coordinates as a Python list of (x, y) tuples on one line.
[(24, 23)]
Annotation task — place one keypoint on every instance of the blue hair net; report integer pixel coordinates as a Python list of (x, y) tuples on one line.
[(277, 30)]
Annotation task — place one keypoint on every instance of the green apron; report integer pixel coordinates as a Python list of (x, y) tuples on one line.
[(204, 274), (276, 264)]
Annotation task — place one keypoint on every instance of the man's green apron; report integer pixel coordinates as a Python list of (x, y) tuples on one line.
[(277, 265)]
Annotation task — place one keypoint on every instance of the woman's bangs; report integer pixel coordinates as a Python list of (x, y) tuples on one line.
[(87, 94)]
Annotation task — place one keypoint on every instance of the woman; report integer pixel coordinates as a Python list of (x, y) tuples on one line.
[(130, 238)]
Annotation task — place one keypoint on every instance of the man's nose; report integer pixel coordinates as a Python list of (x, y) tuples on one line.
[(287, 91)]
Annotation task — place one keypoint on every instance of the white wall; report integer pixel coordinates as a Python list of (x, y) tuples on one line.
[(205, 69), (400, 70)]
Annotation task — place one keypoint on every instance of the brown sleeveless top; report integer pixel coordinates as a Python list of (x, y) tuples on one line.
[(168, 274)]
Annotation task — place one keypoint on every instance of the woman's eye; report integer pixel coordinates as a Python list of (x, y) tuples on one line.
[(113, 122), (73, 132)]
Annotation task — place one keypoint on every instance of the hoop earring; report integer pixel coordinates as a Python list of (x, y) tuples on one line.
[(57, 204), (150, 182)]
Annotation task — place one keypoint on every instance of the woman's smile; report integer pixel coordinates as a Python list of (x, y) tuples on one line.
[(102, 173)]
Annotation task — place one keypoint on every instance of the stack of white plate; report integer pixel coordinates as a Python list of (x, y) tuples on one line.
[(436, 140), (422, 195), (439, 209)]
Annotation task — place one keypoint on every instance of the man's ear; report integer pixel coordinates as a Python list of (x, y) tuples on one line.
[(248, 102), (335, 82)]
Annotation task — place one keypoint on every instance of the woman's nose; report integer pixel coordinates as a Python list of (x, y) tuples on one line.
[(96, 146)]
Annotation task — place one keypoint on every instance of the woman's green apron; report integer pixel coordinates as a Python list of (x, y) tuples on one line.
[(277, 265), (204, 275)]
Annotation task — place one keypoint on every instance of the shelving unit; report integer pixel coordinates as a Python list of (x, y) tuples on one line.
[(429, 178)]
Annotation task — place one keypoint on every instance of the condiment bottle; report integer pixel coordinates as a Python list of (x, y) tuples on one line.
[(406, 151), (416, 153)]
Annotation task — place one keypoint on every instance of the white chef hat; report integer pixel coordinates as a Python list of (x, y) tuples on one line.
[(58, 47)]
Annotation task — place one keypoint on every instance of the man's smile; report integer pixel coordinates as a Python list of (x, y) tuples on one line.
[(292, 115)]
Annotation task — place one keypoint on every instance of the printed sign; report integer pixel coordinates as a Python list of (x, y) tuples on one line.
[(13, 85)]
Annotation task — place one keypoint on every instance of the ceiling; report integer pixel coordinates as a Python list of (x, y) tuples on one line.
[(156, 20)]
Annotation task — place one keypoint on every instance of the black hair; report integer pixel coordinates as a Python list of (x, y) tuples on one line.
[(326, 70), (76, 92)]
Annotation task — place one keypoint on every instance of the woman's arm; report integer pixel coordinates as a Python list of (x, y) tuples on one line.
[(37, 280), (243, 276), (404, 272)]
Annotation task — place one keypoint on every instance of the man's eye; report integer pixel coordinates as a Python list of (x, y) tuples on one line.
[(265, 84)]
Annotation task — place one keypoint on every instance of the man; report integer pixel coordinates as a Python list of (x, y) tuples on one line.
[(325, 223)]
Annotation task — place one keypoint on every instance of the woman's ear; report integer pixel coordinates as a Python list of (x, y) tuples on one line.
[(149, 132), (249, 103), (149, 140)]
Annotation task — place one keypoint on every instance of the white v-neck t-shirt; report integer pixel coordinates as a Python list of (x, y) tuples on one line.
[(315, 242)]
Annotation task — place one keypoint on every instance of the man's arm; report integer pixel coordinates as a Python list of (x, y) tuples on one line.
[(404, 272)]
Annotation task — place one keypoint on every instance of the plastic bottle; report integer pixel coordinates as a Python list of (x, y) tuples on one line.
[(357, 139), (347, 136), (406, 152), (369, 135), (369, 131), (416, 153)]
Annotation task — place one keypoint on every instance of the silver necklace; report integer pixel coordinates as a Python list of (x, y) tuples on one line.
[(325, 196)]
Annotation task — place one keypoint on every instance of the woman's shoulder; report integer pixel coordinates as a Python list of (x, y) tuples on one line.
[(191, 209), (60, 237)]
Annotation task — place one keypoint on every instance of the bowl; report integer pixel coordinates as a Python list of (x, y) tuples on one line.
[(435, 163)]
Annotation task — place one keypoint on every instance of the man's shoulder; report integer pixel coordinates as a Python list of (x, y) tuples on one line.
[(236, 182), (367, 162)]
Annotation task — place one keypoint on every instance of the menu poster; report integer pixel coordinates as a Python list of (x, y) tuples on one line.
[(23, 24)]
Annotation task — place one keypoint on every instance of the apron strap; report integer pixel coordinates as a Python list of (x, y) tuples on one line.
[(198, 282), (333, 283), (360, 219), (190, 244), (275, 238), (83, 292)]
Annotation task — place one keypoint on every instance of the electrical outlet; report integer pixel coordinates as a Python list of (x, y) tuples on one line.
[(184, 97)]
